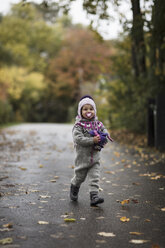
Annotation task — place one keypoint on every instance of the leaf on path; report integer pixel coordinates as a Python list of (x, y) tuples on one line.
[(100, 218), (117, 154), (101, 241), (82, 218), (155, 246), (64, 215), (22, 168), (109, 172), (6, 241), (53, 181), (43, 222), (138, 241), (8, 225), (41, 166), (135, 233), (71, 166), (147, 220), (6, 230), (125, 219), (124, 201), (69, 220), (57, 235), (127, 166), (33, 190), (163, 209), (56, 177), (106, 234), (137, 184), (45, 196), (134, 200)]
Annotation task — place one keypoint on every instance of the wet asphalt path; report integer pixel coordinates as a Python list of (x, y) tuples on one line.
[(36, 165)]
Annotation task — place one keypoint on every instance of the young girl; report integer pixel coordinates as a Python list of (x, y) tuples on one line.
[(88, 146)]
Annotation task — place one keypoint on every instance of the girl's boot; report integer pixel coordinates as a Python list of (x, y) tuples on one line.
[(74, 192), (95, 199)]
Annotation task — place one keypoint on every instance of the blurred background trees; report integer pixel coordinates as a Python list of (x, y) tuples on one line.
[(47, 63)]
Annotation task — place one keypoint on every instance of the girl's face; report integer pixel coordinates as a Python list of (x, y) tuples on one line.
[(88, 111)]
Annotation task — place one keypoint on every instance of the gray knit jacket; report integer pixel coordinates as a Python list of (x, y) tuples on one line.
[(83, 142)]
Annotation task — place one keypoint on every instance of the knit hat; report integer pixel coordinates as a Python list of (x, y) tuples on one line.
[(84, 101)]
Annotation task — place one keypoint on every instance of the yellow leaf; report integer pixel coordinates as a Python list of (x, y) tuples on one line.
[(43, 222), (124, 219), (135, 233), (69, 220), (22, 168), (41, 166), (117, 154), (125, 201), (6, 241)]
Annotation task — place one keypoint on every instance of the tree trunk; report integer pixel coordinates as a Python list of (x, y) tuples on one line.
[(138, 45)]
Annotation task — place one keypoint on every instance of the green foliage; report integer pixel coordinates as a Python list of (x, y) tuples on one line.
[(28, 38), (6, 112)]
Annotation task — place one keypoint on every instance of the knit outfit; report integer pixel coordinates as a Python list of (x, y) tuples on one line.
[(87, 161)]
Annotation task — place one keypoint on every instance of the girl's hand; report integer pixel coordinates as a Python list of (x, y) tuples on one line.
[(96, 139)]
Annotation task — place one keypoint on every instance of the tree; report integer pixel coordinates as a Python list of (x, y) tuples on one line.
[(23, 32), (82, 59)]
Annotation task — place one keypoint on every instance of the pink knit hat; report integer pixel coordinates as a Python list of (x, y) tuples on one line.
[(85, 101)]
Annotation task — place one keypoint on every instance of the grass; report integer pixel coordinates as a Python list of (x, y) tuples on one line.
[(4, 125)]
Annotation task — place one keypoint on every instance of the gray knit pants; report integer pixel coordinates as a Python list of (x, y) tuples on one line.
[(93, 173)]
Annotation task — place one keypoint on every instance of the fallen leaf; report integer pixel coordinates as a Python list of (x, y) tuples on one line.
[(135, 233), (22, 168), (134, 200), (106, 234), (9, 225), (41, 166), (124, 201), (56, 177), (117, 154), (101, 241), (43, 222), (136, 184), (82, 218), (69, 220), (45, 196), (155, 246), (6, 241), (163, 209), (6, 230), (100, 218), (56, 236), (138, 241), (147, 220), (53, 180), (109, 172), (124, 219)]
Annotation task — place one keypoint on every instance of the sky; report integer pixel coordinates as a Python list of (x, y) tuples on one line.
[(108, 31)]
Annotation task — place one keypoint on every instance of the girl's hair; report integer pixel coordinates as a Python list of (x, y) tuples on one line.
[(86, 96)]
